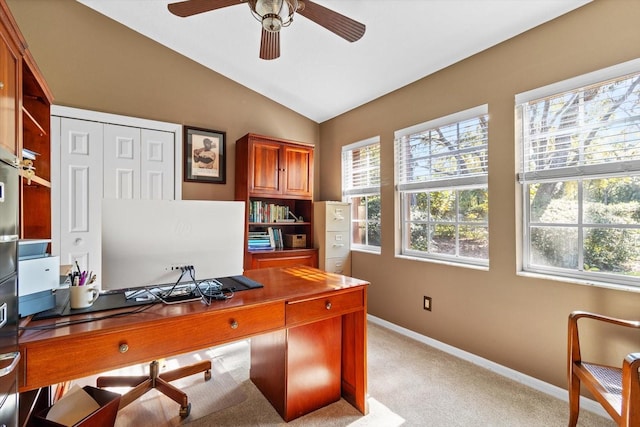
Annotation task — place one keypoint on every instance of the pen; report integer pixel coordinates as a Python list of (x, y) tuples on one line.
[(78, 267)]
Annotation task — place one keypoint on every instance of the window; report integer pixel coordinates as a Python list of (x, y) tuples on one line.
[(441, 178), (580, 177), (361, 188)]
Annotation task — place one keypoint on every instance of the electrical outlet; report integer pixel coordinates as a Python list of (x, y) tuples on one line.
[(427, 303)]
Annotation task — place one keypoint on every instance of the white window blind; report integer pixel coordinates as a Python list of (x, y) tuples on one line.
[(361, 168), (590, 131), (444, 152)]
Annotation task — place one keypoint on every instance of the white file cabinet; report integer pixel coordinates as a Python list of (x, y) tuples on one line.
[(331, 224)]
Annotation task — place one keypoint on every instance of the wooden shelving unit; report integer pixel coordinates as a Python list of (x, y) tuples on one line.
[(278, 172), (35, 191)]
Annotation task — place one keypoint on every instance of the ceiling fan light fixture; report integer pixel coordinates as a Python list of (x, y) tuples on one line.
[(271, 22), (274, 14)]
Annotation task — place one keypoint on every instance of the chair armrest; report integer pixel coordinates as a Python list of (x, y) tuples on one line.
[(576, 315), (574, 340)]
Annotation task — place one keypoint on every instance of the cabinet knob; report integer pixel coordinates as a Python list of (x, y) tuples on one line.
[(234, 324), (77, 242), (1, 85), (328, 305), (124, 347)]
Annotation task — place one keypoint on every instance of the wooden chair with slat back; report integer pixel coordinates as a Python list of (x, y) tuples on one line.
[(616, 389)]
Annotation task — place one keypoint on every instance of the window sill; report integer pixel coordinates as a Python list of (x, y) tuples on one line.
[(366, 250), (443, 262), (582, 282)]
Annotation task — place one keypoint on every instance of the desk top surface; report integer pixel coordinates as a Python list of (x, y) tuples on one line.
[(280, 284)]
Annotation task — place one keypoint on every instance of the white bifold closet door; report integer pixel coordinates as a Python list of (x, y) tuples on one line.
[(102, 160)]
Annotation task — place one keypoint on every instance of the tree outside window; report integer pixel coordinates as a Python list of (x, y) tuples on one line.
[(581, 180)]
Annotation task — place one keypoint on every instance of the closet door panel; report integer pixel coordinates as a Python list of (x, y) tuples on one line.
[(81, 192), (121, 162), (156, 165)]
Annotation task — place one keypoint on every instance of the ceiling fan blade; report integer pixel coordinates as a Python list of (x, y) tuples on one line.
[(341, 25), (194, 7), (269, 45)]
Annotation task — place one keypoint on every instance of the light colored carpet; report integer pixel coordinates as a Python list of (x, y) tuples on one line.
[(157, 410), (410, 384)]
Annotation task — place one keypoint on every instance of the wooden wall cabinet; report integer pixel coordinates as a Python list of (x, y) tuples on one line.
[(25, 101), (25, 105), (275, 172), (36, 125)]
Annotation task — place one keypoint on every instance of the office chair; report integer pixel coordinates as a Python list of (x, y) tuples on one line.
[(616, 389), (143, 383)]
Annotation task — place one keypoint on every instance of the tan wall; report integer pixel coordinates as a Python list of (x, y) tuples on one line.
[(516, 321), (94, 63)]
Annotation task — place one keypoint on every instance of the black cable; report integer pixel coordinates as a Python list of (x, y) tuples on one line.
[(212, 291)]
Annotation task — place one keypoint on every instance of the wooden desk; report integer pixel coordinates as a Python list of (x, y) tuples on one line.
[(299, 309)]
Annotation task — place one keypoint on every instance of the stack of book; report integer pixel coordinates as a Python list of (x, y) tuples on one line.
[(265, 240), (259, 240)]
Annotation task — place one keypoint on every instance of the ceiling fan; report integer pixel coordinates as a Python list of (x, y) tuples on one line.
[(275, 14)]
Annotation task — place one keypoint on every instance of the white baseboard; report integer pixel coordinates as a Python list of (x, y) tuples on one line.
[(557, 392)]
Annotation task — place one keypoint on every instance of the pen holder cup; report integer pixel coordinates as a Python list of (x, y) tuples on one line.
[(82, 296)]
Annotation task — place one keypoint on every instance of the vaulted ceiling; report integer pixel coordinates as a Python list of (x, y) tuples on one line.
[(319, 74)]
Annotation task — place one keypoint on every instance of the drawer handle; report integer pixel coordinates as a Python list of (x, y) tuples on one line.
[(123, 348), (234, 324), (328, 305), (338, 245), (9, 369), (3, 315)]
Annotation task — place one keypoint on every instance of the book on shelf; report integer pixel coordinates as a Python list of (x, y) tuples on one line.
[(272, 239), (275, 235), (260, 211), (261, 248)]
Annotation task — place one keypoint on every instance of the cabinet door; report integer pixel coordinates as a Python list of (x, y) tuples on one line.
[(8, 95), (298, 171), (81, 172), (264, 164)]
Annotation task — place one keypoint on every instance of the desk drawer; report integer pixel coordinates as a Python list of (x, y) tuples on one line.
[(323, 307), (81, 356)]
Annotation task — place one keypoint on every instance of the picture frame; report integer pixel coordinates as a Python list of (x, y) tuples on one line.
[(205, 155)]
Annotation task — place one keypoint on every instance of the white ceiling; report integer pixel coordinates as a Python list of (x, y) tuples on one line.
[(319, 74)]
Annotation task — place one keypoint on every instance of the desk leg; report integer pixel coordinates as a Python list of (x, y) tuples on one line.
[(354, 360)]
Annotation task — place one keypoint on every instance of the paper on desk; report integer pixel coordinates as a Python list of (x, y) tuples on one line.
[(72, 407)]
